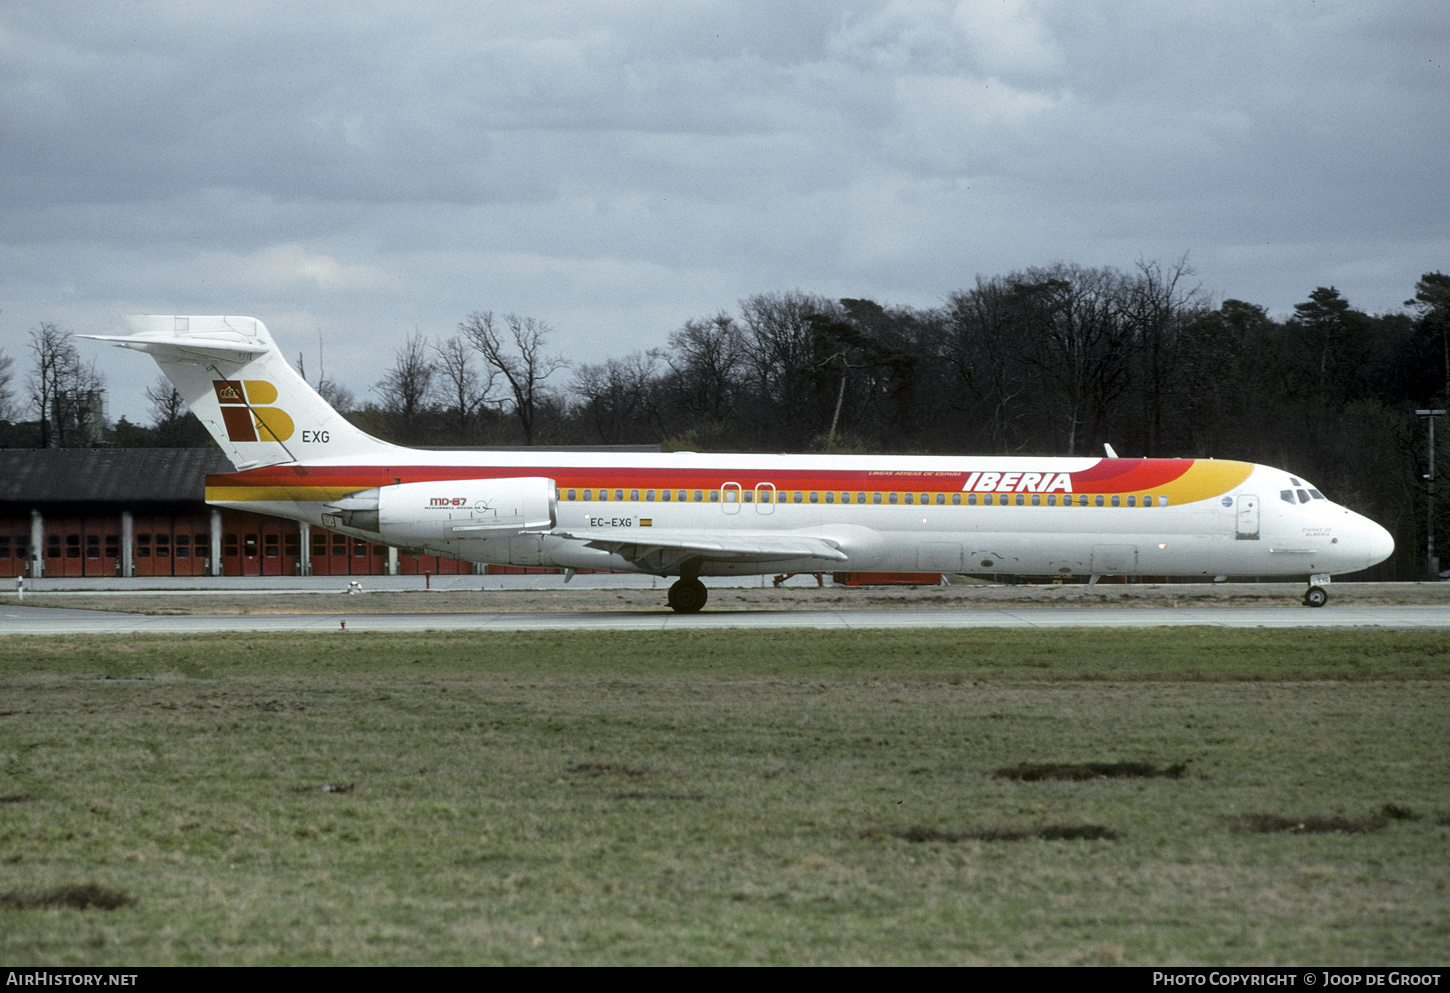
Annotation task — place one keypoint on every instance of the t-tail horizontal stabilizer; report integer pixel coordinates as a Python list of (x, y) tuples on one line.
[(234, 378)]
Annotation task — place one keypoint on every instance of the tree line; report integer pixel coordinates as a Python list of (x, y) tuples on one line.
[(1054, 360)]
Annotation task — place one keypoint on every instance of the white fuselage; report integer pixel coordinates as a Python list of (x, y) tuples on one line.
[(1136, 522)]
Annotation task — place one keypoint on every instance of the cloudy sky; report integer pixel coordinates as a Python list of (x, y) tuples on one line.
[(360, 171)]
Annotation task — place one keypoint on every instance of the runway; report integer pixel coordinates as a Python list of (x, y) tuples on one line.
[(18, 620)]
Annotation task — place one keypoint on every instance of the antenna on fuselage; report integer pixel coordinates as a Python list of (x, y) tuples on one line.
[(1109, 449)]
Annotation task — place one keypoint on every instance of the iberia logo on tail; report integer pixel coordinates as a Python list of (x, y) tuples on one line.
[(245, 411)]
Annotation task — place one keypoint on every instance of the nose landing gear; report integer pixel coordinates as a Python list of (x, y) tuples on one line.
[(1316, 596)]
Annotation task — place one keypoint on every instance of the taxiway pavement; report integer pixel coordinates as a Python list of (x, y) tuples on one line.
[(59, 620)]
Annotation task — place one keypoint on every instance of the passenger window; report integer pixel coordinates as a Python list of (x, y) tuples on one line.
[(665, 495), (1098, 500), (748, 496), (1021, 499), (926, 498), (956, 499), (860, 498), (892, 498), (1147, 500), (830, 497), (1132, 500), (649, 495), (571, 495), (699, 495), (875, 498), (1162, 501), (1037, 499), (909, 497), (604, 494), (714, 496), (619, 494), (589, 494), (797, 497), (941, 499), (1117, 501), (1052, 499), (815, 497)]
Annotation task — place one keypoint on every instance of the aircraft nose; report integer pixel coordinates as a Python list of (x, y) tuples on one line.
[(1379, 543)]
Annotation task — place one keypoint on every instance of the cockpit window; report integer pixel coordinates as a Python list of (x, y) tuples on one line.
[(1286, 495), (1303, 496), (1317, 495), (1295, 481)]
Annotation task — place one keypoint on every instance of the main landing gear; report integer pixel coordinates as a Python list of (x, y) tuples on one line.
[(687, 596)]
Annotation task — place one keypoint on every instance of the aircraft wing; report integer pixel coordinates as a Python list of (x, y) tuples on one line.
[(661, 551)]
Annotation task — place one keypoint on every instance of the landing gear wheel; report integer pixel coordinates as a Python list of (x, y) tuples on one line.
[(1315, 596), (687, 596)]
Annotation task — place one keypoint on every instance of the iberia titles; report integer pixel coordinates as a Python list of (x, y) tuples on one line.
[(1018, 482)]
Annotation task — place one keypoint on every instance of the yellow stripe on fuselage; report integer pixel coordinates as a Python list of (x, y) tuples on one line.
[(276, 494), (1204, 480)]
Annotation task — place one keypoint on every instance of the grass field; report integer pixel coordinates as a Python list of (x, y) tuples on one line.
[(727, 797)]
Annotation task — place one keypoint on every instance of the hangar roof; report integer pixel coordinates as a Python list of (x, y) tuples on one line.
[(107, 475)]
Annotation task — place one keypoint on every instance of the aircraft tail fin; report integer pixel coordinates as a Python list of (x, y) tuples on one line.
[(235, 379)]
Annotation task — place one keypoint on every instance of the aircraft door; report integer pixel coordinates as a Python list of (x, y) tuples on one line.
[(730, 498), (1247, 528), (765, 498)]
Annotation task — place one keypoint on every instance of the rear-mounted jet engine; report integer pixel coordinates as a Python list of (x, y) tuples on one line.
[(417, 514)]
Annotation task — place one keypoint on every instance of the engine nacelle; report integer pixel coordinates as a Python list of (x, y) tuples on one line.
[(416, 514)]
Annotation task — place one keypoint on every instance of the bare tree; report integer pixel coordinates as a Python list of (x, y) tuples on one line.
[(408, 386), (618, 395), (7, 395), (781, 352), (516, 351), (338, 397), (461, 388), (1158, 306), (65, 392), (984, 352), (167, 410), (707, 359)]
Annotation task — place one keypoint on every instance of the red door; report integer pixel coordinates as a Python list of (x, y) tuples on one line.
[(14, 544)]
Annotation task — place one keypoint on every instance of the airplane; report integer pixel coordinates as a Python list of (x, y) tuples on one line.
[(688, 514)]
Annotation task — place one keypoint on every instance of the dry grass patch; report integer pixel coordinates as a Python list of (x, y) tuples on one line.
[(1050, 832), (76, 897), (1081, 771)]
